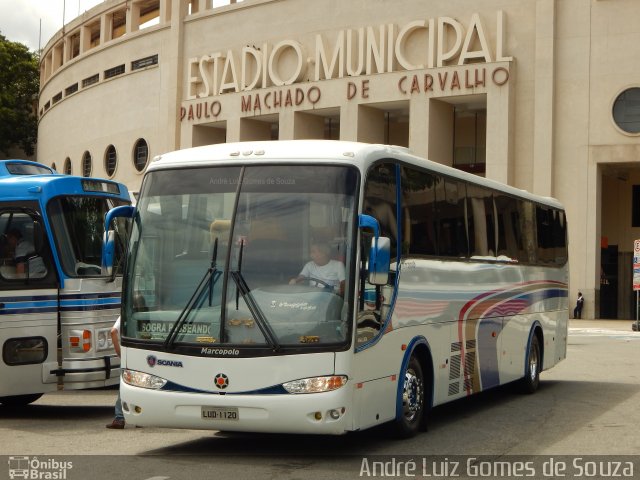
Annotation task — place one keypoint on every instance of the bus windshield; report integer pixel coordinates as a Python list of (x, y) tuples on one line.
[(78, 228), (249, 256)]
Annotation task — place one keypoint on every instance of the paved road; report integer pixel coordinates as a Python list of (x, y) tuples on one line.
[(586, 405)]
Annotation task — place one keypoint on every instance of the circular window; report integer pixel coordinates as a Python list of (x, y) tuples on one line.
[(110, 160), (626, 111), (140, 155), (67, 166), (86, 164)]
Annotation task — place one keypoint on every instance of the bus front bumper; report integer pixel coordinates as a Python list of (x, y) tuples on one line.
[(314, 413)]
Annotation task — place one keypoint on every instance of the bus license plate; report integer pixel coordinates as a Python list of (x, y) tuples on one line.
[(218, 413)]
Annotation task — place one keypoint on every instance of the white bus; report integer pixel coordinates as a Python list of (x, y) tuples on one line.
[(447, 284)]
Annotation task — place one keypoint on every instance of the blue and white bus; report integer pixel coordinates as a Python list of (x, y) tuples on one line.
[(56, 305), (452, 284)]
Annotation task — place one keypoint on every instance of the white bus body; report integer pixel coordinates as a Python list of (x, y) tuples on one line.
[(475, 296)]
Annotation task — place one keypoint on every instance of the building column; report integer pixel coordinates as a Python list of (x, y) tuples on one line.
[(543, 132), (165, 11), (349, 121), (500, 125), (173, 75), (133, 18), (286, 125), (589, 268), (233, 129), (419, 126)]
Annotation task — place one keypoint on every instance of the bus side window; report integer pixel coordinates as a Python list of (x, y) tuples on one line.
[(21, 248)]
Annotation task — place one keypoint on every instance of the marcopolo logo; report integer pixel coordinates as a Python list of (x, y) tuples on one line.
[(152, 361), (35, 468)]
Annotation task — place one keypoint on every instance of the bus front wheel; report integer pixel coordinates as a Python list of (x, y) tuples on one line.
[(411, 417), (19, 400)]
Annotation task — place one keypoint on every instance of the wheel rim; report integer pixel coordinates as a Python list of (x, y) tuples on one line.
[(533, 362), (412, 396)]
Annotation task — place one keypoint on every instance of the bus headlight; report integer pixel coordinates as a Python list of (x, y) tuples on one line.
[(143, 380), (316, 384)]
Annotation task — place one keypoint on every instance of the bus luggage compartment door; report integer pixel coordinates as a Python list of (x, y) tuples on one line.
[(29, 339)]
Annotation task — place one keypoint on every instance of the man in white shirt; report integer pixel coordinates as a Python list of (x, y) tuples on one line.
[(321, 267)]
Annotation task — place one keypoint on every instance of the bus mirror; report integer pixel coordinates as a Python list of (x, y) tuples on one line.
[(109, 241), (108, 252), (379, 261)]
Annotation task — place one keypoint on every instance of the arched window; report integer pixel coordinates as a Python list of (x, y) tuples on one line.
[(86, 164), (626, 111), (140, 154), (110, 160), (53, 165), (67, 166)]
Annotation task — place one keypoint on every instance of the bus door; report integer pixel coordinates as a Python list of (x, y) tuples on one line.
[(28, 303)]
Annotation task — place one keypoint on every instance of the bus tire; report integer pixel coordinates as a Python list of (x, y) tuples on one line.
[(19, 400), (531, 380), (411, 418)]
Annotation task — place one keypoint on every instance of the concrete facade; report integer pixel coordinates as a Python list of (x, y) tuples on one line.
[(521, 92)]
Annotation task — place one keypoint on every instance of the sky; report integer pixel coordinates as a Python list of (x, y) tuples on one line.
[(20, 19)]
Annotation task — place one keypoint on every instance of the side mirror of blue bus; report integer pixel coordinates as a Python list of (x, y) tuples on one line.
[(379, 260), (109, 241)]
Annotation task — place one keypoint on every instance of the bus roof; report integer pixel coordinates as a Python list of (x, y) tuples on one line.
[(44, 187), (329, 151), (13, 167)]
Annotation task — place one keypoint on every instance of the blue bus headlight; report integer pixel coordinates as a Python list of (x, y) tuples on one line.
[(143, 380), (316, 384)]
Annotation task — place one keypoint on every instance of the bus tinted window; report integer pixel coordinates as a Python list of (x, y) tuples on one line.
[(419, 196), (380, 202), (78, 225), (451, 213), (509, 233), (21, 250), (481, 219), (546, 219), (18, 168), (560, 237)]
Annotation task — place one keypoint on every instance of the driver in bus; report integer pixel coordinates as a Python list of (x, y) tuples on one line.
[(24, 254), (322, 271)]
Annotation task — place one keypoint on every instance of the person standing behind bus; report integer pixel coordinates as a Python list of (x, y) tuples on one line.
[(118, 421), (577, 312)]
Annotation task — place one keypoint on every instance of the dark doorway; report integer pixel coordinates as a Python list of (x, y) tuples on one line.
[(609, 282)]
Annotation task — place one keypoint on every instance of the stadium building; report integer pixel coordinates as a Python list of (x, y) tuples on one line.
[(541, 94)]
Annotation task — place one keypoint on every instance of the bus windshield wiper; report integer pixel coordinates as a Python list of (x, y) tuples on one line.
[(210, 278), (255, 309)]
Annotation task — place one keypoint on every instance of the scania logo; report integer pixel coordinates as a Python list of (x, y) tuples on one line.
[(153, 361), (221, 381)]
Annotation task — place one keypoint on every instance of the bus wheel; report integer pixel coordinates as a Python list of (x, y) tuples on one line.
[(531, 380), (19, 400), (413, 401)]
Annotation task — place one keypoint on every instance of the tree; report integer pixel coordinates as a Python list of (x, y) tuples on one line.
[(19, 84)]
